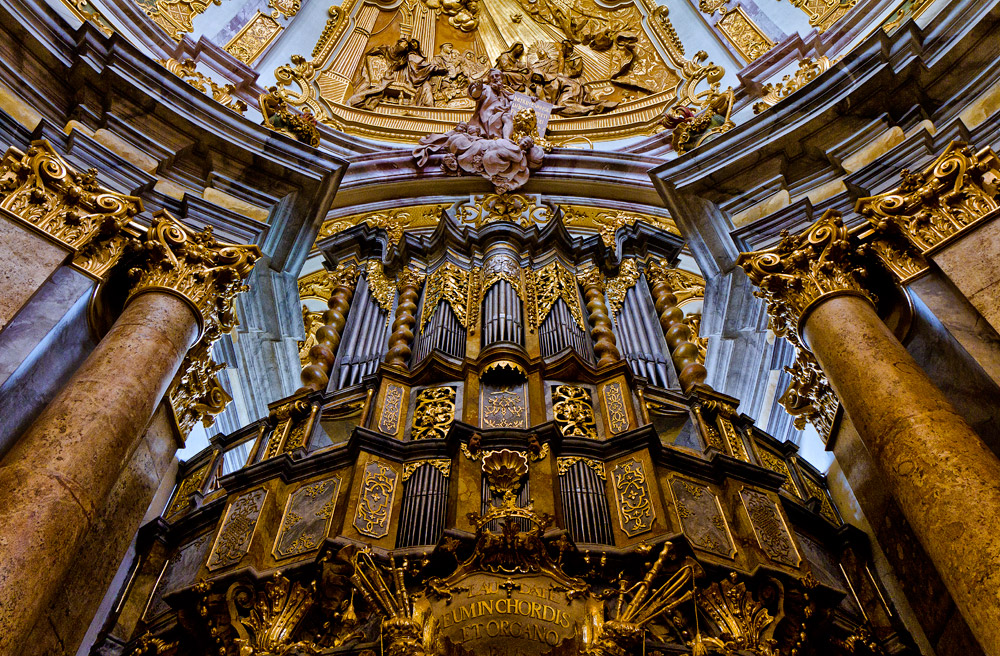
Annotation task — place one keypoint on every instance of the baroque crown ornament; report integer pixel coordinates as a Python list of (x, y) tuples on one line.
[(930, 207), (197, 267), (802, 269)]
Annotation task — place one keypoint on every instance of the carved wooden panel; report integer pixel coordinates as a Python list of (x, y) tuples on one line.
[(307, 517), (237, 529), (769, 527), (378, 490), (392, 409), (701, 517), (635, 507), (614, 403)]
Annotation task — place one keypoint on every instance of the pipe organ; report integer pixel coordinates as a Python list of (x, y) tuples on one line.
[(493, 465)]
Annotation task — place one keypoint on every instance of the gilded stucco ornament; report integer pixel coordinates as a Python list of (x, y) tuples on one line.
[(808, 71), (743, 621), (195, 266), (279, 117), (39, 189), (792, 277), (638, 605), (945, 199), (692, 125), (587, 60), (803, 269), (187, 70), (196, 393)]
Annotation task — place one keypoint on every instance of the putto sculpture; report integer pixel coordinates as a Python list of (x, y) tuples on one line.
[(501, 142)]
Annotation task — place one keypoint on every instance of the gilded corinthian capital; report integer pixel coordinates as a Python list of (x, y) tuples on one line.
[(38, 188), (949, 196), (803, 269), (205, 272)]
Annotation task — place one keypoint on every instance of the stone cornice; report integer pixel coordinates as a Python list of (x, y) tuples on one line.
[(591, 174)]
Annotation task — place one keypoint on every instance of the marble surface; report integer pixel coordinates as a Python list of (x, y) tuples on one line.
[(26, 262), (54, 353)]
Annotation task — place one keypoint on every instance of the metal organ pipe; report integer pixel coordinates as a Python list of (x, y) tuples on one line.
[(366, 330), (585, 508), (443, 332), (502, 315), (421, 520), (560, 330), (641, 339)]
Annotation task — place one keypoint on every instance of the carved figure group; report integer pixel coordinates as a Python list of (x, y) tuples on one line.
[(402, 74), (556, 78), (489, 144)]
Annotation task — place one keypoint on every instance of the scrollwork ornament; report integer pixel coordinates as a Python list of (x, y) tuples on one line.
[(41, 190), (802, 269), (949, 196), (205, 272)]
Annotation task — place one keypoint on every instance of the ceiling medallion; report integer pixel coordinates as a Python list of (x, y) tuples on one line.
[(400, 74)]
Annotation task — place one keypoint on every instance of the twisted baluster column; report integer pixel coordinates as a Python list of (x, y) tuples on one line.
[(409, 283), (683, 351), (605, 347), (316, 374)]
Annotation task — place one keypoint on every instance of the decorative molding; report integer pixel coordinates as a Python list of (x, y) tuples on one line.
[(563, 463), (378, 490), (443, 465), (635, 507)]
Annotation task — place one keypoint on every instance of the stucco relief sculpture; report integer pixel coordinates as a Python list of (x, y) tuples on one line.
[(501, 141), (692, 126)]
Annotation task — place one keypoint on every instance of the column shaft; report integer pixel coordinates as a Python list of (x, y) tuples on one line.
[(605, 347), (946, 481), (59, 474)]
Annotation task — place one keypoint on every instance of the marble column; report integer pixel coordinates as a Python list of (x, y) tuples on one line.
[(400, 340), (946, 481), (56, 479), (605, 346)]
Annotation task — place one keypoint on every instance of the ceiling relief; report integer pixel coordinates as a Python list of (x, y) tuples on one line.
[(404, 72)]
